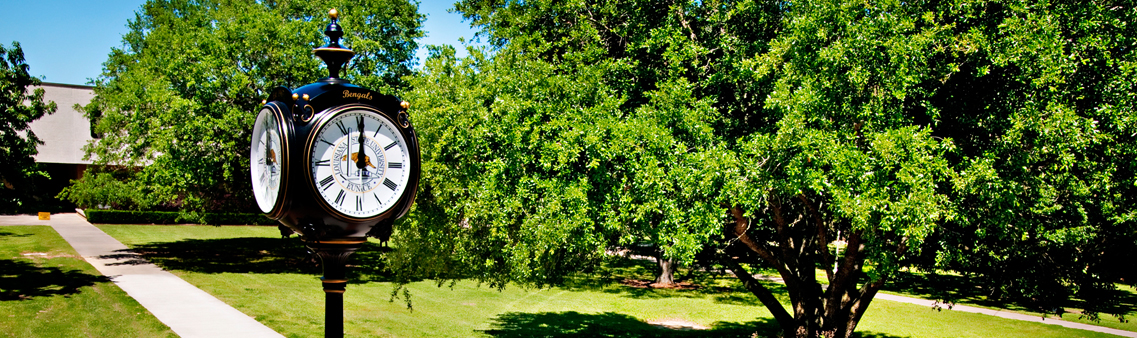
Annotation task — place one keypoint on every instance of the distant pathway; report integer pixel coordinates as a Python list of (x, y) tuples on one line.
[(187, 310), (996, 313)]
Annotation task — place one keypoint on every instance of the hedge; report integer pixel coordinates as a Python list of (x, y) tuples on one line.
[(171, 217)]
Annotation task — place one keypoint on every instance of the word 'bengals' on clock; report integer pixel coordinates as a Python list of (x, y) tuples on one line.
[(348, 93)]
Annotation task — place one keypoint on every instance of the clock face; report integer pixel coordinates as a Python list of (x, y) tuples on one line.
[(266, 159), (359, 162)]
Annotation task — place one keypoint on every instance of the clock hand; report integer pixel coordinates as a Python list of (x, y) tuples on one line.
[(360, 161)]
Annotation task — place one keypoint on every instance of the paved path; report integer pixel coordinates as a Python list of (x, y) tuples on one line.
[(187, 310), (996, 313)]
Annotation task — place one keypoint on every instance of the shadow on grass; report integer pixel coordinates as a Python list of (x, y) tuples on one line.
[(722, 287), (960, 289), (257, 255), (21, 280), (9, 234), (575, 324)]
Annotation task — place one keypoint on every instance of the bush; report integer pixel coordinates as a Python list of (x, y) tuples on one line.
[(104, 190), (169, 217)]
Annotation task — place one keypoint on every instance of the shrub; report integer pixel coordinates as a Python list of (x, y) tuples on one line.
[(104, 190), (169, 217)]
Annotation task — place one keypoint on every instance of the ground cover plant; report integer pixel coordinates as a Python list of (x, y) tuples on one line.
[(47, 290), (272, 279)]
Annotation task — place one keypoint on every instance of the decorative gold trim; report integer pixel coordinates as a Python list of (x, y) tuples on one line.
[(310, 117), (326, 281), (305, 97), (334, 291), (295, 96), (333, 50), (405, 120), (405, 104)]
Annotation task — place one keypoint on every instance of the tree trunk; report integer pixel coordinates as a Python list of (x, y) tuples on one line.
[(666, 271), (796, 249)]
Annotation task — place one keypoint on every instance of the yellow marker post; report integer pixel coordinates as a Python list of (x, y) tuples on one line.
[(45, 216)]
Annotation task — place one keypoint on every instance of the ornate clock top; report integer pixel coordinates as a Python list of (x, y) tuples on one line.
[(333, 54)]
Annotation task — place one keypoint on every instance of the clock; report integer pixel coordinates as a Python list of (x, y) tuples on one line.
[(359, 162), (268, 158)]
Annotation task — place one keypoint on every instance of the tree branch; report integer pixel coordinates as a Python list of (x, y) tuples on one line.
[(822, 237), (764, 295)]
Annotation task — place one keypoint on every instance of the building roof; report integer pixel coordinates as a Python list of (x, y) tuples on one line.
[(65, 132)]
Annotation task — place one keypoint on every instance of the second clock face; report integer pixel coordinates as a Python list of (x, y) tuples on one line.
[(359, 162)]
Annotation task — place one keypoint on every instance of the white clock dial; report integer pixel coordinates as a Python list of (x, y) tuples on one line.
[(266, 160), (359, 163)]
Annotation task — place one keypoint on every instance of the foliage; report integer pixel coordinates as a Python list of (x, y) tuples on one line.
[(1046, 170), (97, 189), (923, 132), (177, 99), (18, 108), (166, 217)]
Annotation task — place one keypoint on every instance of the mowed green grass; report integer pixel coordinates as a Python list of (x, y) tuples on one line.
[(273, 280), (944, 285), (47, 290)]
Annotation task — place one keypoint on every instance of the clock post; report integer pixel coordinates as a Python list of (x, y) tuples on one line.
[(334, 163)]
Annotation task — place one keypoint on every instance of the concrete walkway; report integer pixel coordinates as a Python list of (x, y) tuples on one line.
[(187, 310)]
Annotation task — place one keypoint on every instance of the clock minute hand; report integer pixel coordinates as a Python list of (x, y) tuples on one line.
[(361, 159)]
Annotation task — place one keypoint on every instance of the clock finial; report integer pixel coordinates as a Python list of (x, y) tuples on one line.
[(333, 54)]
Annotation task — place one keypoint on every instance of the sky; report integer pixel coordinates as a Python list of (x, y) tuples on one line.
[(66, 41)]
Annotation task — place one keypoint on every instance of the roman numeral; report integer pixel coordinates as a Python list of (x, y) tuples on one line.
[(339, 198), (322, 163), (326, 183), (358, 203), (343, 129), (394, 165), (389, 146), (391, 185), (325, 141)]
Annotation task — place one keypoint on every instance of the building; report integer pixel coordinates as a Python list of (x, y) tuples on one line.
[(64, 133)]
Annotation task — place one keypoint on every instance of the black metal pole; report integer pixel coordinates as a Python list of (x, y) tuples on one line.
[(333, 257)]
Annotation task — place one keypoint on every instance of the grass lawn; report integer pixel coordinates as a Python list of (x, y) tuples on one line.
[(954, 286), (47, 290), (273, 280)]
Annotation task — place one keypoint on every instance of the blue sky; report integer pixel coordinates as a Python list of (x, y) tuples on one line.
[(66, 41)]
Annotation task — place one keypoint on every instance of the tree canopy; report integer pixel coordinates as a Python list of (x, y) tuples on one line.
[(974, 136), (18, 108), (175, 100)]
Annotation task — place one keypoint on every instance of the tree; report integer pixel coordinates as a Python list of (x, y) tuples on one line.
[(18, 108), (762, 129), (1047, 169), (175, 101)]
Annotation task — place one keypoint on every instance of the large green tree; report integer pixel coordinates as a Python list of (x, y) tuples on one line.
[(925, 133), (175, 101), (18, 108)]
